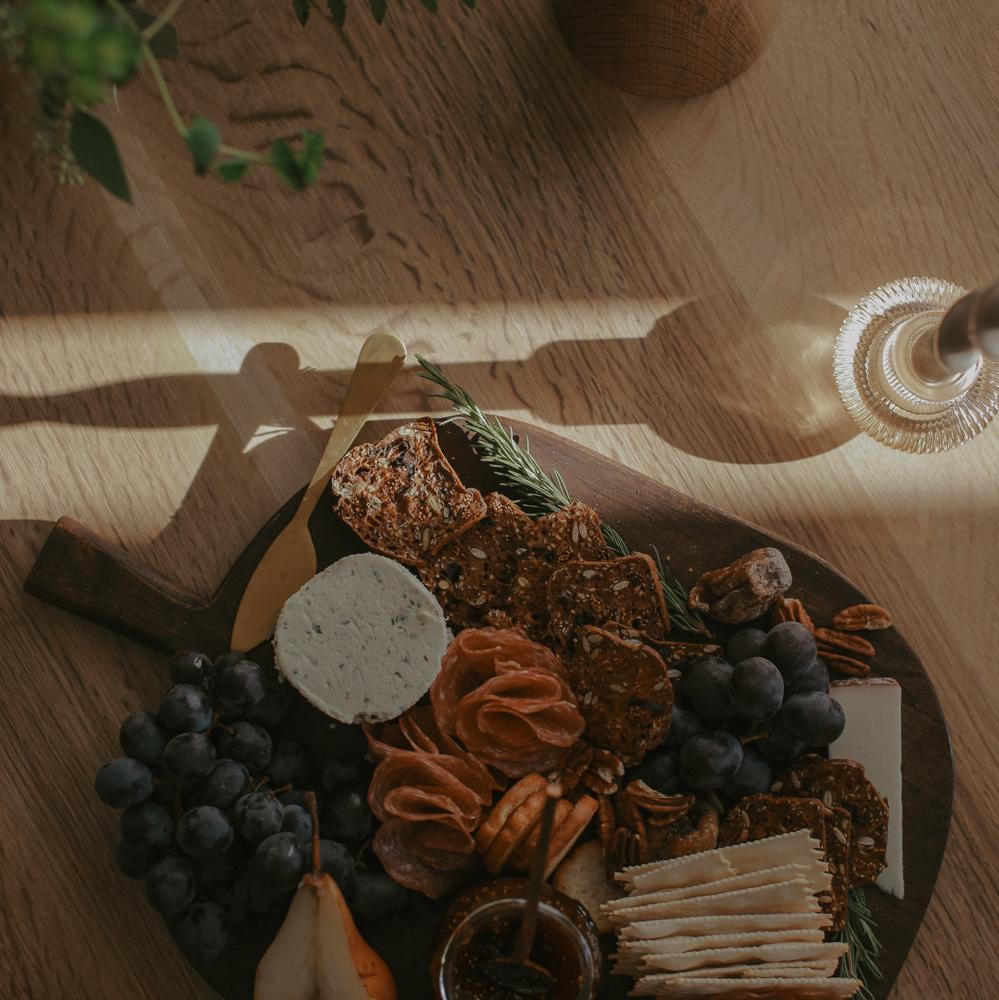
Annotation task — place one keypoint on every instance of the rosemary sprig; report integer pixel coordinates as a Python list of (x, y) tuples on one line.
[(537, 492), (863, 947)]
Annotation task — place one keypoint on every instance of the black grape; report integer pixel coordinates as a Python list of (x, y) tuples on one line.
[(272, 708), (250, 744), (779, 747), (336, 860), (257, 815), (202, 934), (227, 659), (746, 643), (221, 869), (706, 685), (141, 736), (204, 831), (149, 826), (191, 667), (754, 776), (346, 816), (659, 771), (684, 723), (240, 686), (224, 783), (290, 764), (814, 717), (299, 822), (171, 885), (757, 689), (124, 782), (280, 861), (344, 769), (189, 755), (815, 678), (792, 648), (186, 709), (710, 759), (377, 895)]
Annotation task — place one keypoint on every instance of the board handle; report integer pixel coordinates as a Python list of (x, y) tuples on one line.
[(79, 571)]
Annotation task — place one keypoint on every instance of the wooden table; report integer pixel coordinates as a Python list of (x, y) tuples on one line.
[(661, 281)]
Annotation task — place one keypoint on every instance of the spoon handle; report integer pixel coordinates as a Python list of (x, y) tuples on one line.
[(381, 357), (528, 925)]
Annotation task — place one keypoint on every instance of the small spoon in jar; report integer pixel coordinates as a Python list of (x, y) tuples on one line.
[(517, 972)]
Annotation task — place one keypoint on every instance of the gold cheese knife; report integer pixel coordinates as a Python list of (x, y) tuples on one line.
[(290, 561)]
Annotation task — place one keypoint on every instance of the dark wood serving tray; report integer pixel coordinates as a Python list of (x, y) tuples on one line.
[(79, 572)]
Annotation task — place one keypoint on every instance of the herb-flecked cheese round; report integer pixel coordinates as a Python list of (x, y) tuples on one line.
[(362, 640)]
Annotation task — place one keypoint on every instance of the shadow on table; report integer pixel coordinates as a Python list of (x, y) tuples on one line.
[(702, 383)]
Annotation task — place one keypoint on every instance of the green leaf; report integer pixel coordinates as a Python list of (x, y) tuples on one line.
[(203, 140), (298, 170), (302, 8), (468, 3), (232, 170), (378, 8), (311, 158), (431, 5), (284, 164), (164, 43), (96, 153), (338, 10)]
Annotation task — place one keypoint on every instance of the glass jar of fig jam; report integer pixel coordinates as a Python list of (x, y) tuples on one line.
[(481, 926)]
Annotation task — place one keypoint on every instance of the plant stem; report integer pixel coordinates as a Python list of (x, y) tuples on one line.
[(161, 86), (243, 154), (161, 20)]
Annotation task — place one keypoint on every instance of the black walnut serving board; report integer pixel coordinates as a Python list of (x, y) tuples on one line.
[(79, 572)]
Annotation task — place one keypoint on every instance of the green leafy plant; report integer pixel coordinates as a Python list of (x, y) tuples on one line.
[(537, 491), (74, 54)]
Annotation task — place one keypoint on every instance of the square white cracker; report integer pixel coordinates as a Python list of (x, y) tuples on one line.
[(810, 988), (683, 943), (787, 848), (815, 874), (697, 926), (792, 896), (801, 952)]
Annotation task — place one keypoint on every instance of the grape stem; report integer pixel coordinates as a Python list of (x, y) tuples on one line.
[(317, 864)]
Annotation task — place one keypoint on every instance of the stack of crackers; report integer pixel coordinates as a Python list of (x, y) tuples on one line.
[(740, 921)]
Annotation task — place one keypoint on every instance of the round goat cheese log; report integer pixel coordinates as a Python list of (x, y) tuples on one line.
[(362, 640)]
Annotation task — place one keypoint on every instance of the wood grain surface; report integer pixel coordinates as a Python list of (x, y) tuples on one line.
[(659, 281)]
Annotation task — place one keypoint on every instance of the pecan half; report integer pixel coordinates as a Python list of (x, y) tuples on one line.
[(790, 609), (862, 618), (841, 664), (846, 642), (662, 809), (597, 771), (743, 590)]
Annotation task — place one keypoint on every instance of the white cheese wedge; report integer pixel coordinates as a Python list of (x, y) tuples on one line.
[(362, 640), (873, 737)]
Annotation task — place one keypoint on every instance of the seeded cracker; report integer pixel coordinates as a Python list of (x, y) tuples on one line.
[(759, 816), (473, 575), (838, 855), (840, 782), (625, 590), (624, 693), (567, 535), (401, 497)]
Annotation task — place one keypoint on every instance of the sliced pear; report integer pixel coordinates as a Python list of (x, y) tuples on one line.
[(319, 954)]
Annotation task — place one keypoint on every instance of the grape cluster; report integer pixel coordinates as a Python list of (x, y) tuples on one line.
[(214, 813), (741, 719)]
